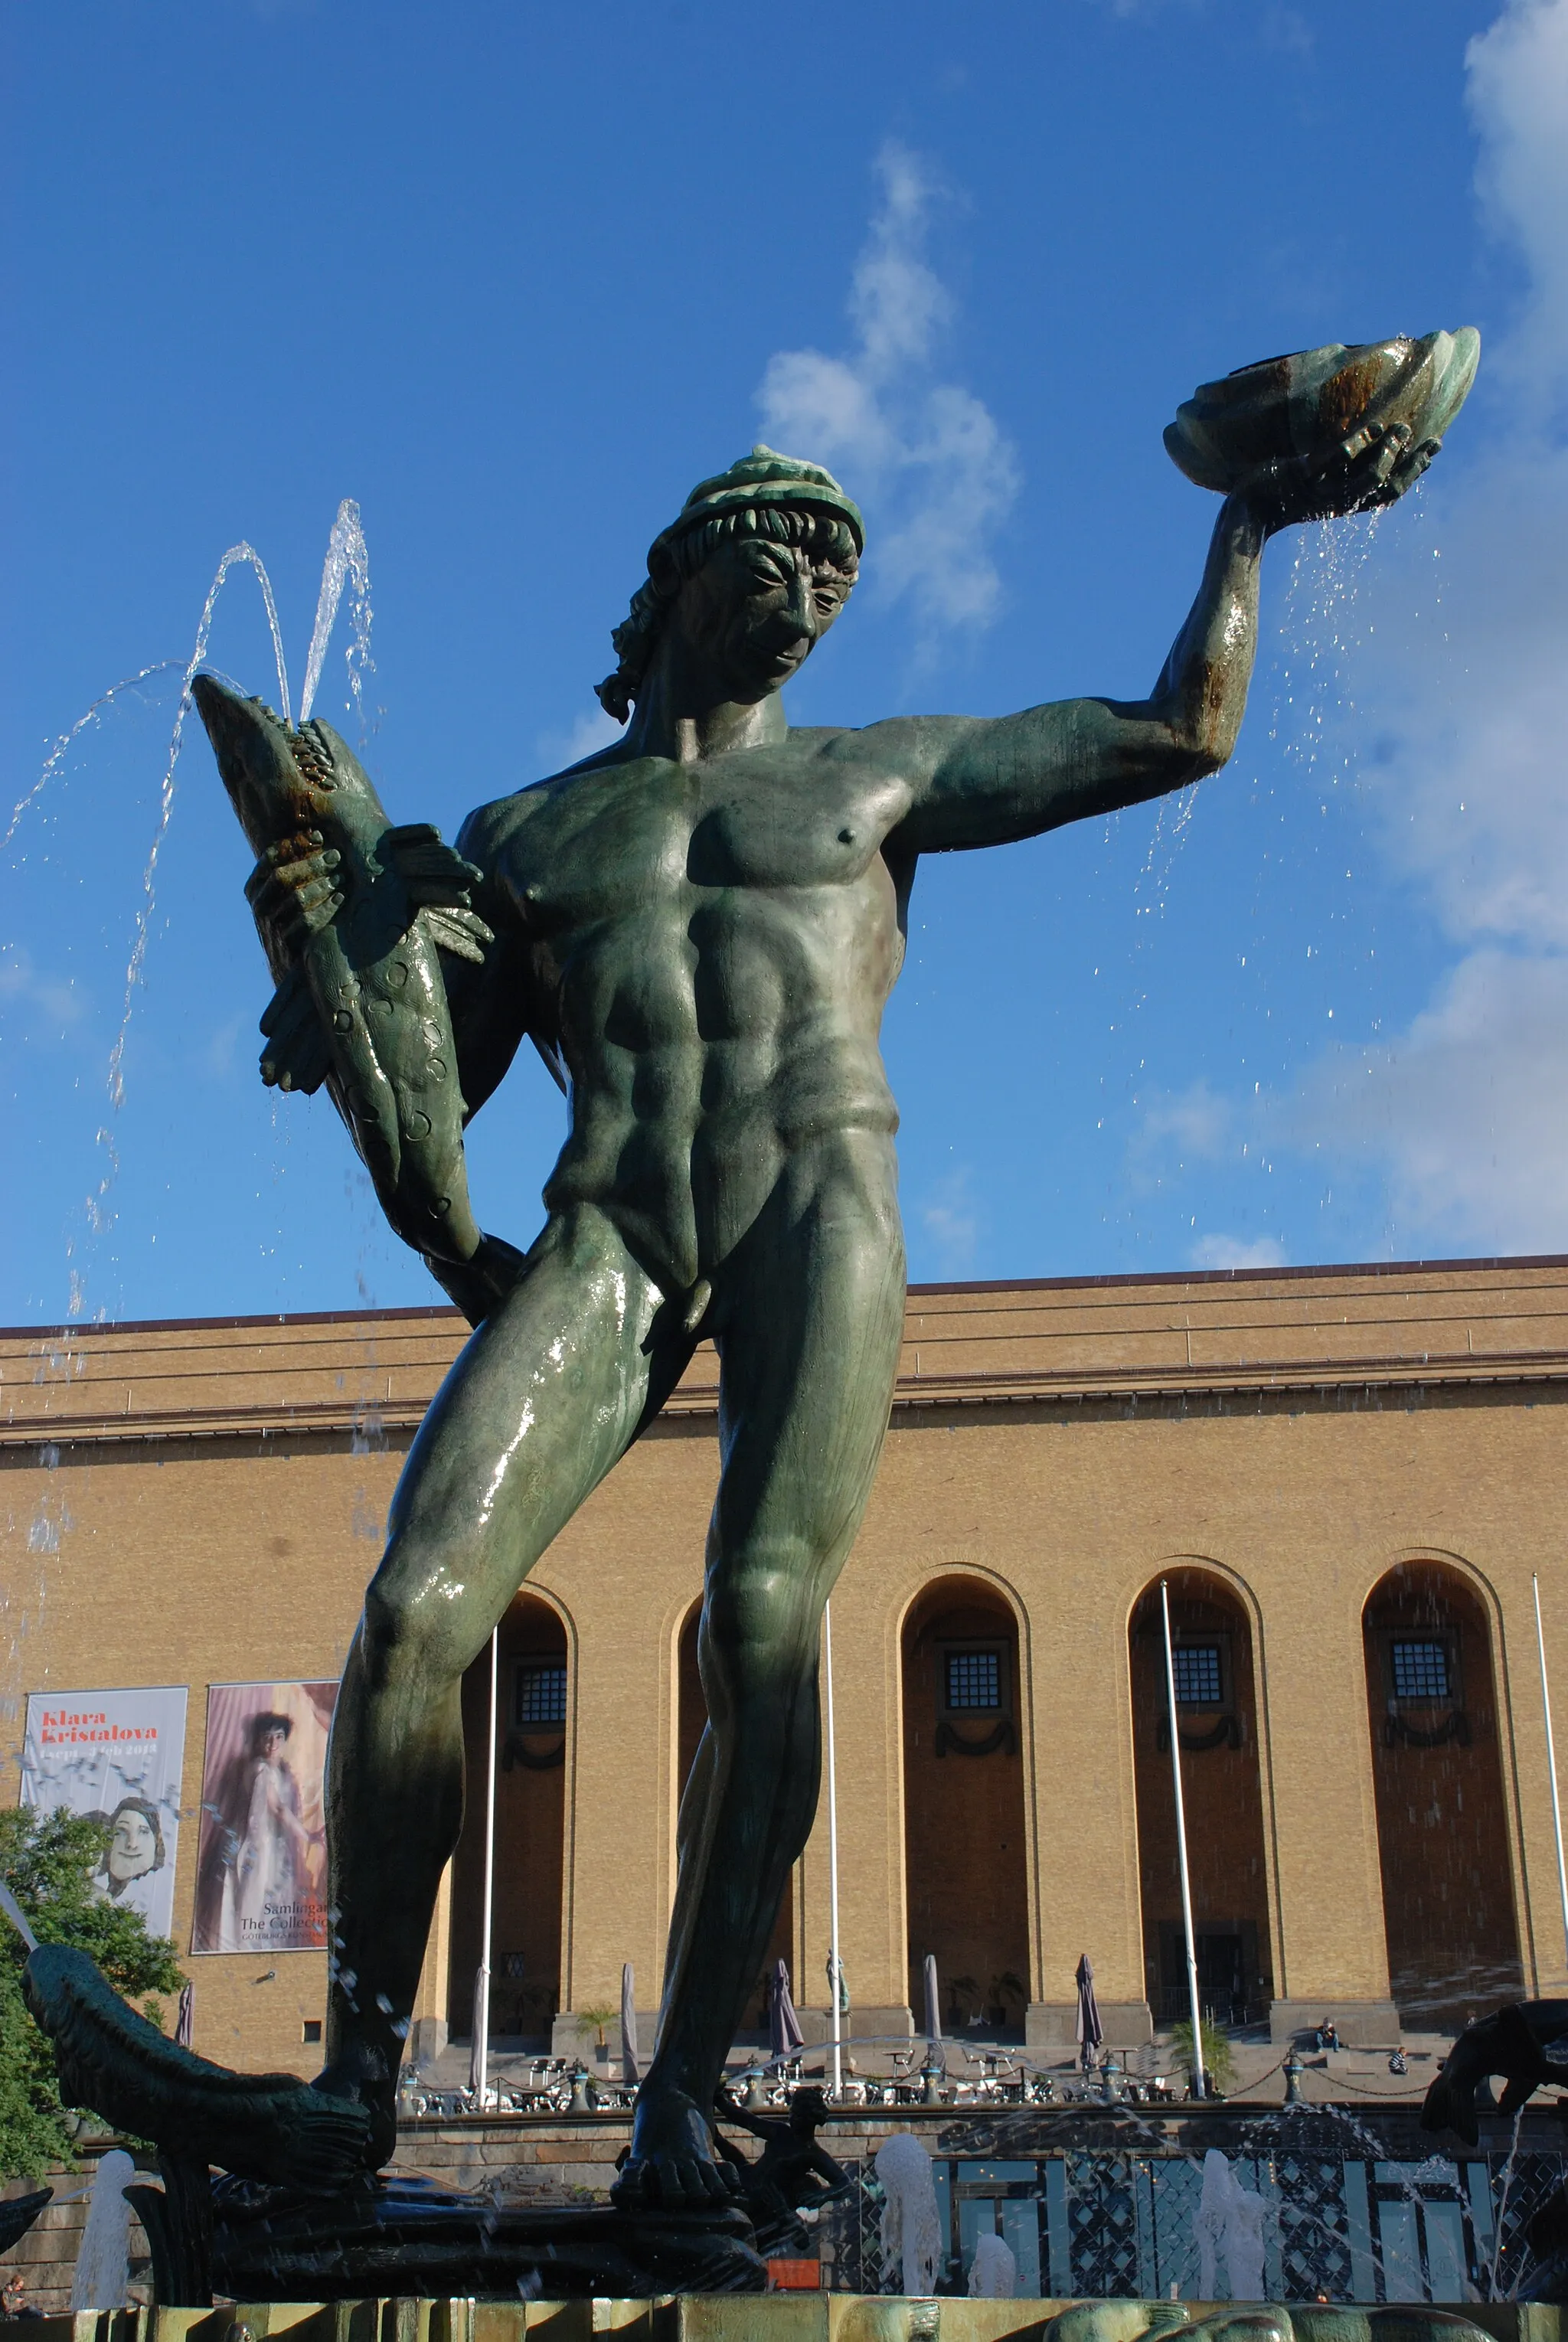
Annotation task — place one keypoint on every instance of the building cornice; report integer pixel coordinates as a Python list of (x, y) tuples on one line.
[(1251, 1335)]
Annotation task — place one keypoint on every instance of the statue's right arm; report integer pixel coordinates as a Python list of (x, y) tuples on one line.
[(296, 896), (492, 1001), (293, 896)]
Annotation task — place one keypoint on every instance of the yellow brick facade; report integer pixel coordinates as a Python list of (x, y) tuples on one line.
[(202, 1502)]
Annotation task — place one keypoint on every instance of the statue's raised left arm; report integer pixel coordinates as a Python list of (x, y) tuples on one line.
[(1320, 435), (984, 783)]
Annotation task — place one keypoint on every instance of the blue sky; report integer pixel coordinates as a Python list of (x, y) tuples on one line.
[(513, 279)]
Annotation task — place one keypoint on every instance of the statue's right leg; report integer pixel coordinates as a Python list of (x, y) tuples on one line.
[(543, 1401)]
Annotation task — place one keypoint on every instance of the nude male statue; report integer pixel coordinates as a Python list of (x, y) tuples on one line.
[(705, 921)]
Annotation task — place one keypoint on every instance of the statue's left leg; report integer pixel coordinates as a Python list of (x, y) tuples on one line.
[(808, 1319)]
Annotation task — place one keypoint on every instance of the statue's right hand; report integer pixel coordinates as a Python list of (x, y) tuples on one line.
[(292, 894), (479, 1286)]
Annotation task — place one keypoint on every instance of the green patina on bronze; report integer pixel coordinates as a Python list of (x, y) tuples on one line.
[(703, 923), (755, 481), (764, 495)]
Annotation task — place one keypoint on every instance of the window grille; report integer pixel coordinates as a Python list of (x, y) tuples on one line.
[(1420, 1670), (973, 1680), (1198, 1675), (541, 1695)]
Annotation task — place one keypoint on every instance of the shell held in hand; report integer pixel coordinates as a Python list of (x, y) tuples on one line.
[(1299, 429)]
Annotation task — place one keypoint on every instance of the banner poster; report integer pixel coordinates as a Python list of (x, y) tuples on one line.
[(115, 1757), (261, 1873)]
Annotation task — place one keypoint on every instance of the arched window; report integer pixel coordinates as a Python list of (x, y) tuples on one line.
[(1221, 1791), (1442, 1820), (534, 1702), (966, 1877)]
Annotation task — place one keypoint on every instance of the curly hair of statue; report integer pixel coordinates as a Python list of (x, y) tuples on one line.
[(636, 638)]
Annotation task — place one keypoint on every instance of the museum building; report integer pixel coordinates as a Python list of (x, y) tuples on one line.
[(1346, 1479)]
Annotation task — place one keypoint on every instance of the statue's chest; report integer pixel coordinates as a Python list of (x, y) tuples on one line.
[(679, 836), (807, 828), (599, 857)]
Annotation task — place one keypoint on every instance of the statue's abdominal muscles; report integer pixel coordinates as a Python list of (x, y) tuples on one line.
[(713, 1034)]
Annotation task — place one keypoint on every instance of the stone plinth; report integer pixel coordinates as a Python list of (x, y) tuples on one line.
[(742, 2318)]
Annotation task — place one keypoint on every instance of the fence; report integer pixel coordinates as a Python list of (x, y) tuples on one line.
[(1095, 2224)]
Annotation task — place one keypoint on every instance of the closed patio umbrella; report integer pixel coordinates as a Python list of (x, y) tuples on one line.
[(631, 2069), (785, 2036), (933, 2001), (1091, 2032)]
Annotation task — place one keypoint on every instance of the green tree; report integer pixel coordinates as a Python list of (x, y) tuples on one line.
[(47, 1860), (598, 2019), (1218, 2059)]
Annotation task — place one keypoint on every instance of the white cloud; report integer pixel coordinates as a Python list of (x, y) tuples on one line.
[(1238, 1252), (1474, 803), (1466, 1115), (1287, 32), (1483, 757), (951, 1223), (899, 438), (1470, 800), (1518, 92), (1462, 1114), (1195, 1122), (23, 983), (592, 731), (217, 1055)]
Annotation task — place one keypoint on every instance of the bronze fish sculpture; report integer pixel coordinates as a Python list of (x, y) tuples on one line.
[(1513, 2042), (364, 1006), (266, 2126)]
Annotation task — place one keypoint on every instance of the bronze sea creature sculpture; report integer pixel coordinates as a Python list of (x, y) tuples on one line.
[(360, 1004), (1512, 2042), (267, 2127)]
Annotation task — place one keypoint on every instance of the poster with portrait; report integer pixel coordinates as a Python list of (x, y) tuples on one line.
[(261, 1868), (115, 1757)]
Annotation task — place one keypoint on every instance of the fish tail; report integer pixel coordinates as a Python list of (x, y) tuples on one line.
[(1450, 2106)]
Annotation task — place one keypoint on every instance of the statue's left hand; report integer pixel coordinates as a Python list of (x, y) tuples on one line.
[(1378, 475)]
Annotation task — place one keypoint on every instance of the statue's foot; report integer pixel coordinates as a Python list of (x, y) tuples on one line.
[(674, 2164)]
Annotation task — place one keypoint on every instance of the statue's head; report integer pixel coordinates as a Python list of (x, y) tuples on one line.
[(752, 572)]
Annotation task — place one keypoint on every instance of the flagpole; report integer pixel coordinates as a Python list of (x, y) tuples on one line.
[(482, 1987), (1181, 1851), (1551, 1759), (834, 1986)]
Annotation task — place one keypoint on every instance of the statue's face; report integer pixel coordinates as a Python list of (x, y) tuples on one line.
[(754, 611)]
